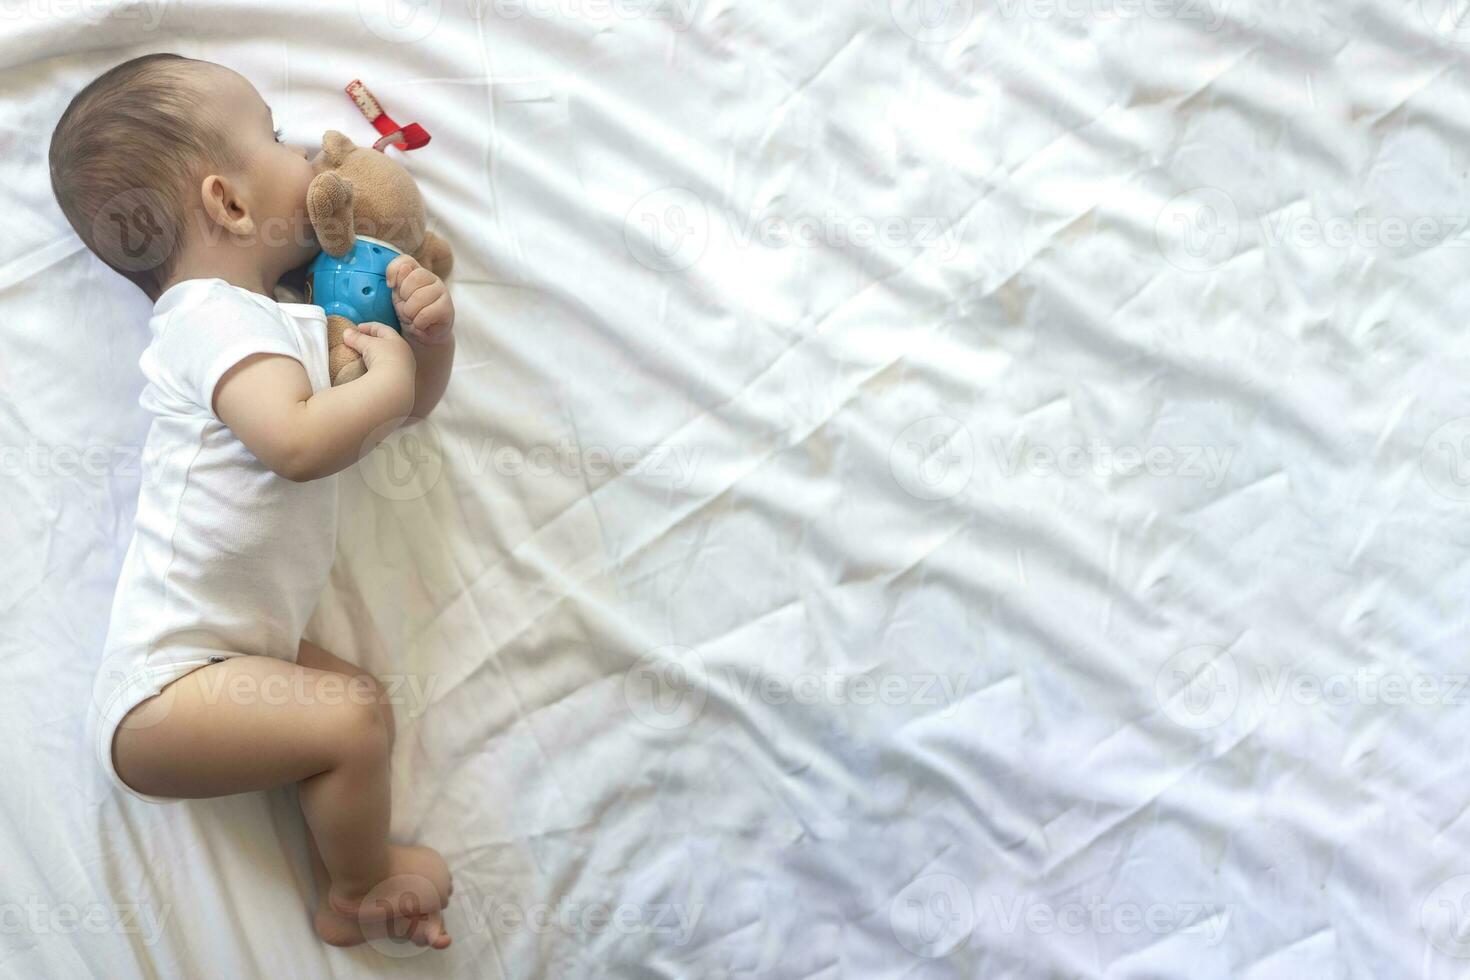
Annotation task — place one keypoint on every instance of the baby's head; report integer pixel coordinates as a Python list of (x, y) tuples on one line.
[(171, 168)]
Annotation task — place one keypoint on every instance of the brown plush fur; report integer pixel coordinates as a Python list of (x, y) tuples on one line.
[(367, 193)]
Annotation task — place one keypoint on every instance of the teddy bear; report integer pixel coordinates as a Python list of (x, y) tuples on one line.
[(366, 211)]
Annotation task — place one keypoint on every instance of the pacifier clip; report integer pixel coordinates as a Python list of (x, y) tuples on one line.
[(409, 137)]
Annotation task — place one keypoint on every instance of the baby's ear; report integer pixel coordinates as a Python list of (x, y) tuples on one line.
[(335, 147), (329, 205)]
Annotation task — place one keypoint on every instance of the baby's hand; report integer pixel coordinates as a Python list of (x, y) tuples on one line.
[(379, 345), (421, 301)]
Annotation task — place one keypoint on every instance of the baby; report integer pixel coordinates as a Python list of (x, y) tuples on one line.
[(171, 171)]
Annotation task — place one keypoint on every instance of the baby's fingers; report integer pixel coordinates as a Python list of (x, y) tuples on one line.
[(370, 327)]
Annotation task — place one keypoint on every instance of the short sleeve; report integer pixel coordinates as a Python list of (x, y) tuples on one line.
[(204, 340)]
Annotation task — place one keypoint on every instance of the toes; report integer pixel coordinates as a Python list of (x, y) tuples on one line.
[(429, 931)]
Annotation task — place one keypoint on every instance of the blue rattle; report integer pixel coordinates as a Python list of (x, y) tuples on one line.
[(355, 285)]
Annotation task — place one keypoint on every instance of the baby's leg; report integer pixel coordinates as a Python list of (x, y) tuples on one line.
[(332, 926), (251, 723)]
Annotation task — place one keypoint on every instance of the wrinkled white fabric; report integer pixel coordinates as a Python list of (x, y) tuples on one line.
[(1092, 376)]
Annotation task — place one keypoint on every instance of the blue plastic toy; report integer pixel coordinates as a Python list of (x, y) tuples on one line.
[(356, 284)]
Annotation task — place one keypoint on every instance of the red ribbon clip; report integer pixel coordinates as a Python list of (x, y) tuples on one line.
[(409, 137)]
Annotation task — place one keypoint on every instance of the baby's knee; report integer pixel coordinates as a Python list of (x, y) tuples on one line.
[(359, 732), (370, 690)]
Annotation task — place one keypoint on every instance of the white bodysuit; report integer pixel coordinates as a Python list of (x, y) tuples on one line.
[(227, 558)]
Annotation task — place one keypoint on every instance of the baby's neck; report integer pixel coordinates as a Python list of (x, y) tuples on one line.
[(238, 267)]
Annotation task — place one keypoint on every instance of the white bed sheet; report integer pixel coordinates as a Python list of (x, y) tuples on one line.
[(1064, 579)]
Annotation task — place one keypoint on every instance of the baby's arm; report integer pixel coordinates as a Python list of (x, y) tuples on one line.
[(424, 307), (267, 401)]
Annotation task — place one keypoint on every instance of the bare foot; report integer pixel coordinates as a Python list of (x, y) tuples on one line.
[(418, 884), (335, 928), (342, 930), (429, 931)]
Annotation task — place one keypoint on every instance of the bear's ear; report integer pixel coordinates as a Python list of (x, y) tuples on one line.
[(335, 147), (329, 205)]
